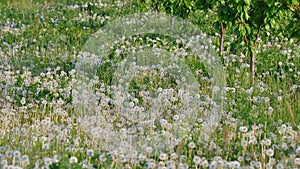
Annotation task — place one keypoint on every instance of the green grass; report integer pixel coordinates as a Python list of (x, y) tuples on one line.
[(40, 50)]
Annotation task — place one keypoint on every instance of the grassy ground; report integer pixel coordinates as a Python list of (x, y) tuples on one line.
[(40, 44)]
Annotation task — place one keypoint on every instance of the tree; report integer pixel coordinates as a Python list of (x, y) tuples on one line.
[(256, 16), (250, 18), (226, 12), (181, 8), (294, 22)]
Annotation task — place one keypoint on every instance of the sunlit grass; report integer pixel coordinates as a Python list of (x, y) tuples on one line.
[(40, 44)]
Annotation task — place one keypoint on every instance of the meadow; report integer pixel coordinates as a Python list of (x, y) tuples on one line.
[(42, 126)]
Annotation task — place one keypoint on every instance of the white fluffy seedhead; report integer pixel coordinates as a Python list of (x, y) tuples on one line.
[(148, 125)]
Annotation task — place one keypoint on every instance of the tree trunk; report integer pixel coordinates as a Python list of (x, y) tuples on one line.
[(252, 55), (222, 29)]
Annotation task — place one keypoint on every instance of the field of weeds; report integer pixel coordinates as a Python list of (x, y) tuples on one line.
[(157, 99)]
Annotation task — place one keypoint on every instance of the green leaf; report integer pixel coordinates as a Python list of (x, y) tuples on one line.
[(239, 8), (295, 2), (246, 14), (272, 22), (252, 49), (247, 2), (280, 14), (266, 21), (247, 53), (241, 17), (267, 27), (248, 28), (242, 30), (253, 37), (276, 26), (251, 43)]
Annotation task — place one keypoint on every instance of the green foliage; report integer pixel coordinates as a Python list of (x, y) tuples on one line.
[(247, 17), (51, 44)]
